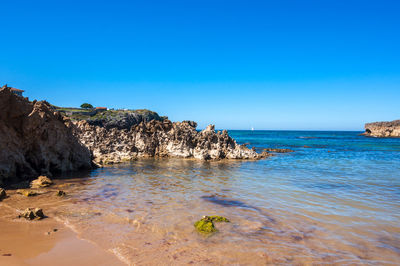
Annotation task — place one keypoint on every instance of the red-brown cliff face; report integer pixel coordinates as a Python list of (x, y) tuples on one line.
[(35, 140)]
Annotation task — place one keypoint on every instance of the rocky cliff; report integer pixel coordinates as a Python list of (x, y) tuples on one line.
[(160, 139), (35, 140), (383, 129)]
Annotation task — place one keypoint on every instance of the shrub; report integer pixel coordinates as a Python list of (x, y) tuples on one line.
[(86, 106)]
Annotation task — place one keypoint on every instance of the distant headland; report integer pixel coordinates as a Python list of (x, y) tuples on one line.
[(390, 129)]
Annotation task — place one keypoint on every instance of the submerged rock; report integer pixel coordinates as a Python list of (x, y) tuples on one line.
[(206, 224), (61, 193), (278, 150), (42, 181), (3, 194), (32, 214), (27, 192)]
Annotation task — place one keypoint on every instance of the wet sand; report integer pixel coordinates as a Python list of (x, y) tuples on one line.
[(28, 243), (44, 242)]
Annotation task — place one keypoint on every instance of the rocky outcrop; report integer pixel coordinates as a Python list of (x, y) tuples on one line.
[(161, 139), (35, 140), (383, 129), (41, 181), (32, 214)]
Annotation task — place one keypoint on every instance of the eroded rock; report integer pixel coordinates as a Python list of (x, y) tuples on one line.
[(41, 181), (161, 139), (35, 140), (32, 214), (3, 194), (61, 193)]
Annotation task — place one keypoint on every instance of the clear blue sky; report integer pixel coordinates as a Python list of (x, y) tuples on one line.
[(323, 64)]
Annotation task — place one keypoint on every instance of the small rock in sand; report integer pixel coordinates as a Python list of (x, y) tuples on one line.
[(3, 194), (61, 193), (51, 231), (32, 214)]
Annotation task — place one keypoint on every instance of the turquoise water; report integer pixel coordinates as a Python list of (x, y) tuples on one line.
[(335, 200)]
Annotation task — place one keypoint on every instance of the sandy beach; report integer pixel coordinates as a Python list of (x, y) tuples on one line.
[(44, 242), (27, 243)]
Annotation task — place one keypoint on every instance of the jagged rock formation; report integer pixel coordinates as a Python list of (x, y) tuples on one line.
[(35, 140), (161, 139), (383, 129)]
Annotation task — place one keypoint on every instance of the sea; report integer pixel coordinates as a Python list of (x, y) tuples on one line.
[(334, 200)]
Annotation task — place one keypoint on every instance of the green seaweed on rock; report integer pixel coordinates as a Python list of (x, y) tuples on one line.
[(216, 218), (206, 224)]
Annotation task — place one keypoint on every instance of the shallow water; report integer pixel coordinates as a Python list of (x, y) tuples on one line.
[(335, 200)]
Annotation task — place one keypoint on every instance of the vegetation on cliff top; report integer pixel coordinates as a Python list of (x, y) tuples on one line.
[(121, 118)]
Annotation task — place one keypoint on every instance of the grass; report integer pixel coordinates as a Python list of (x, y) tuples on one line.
[(104, 115)]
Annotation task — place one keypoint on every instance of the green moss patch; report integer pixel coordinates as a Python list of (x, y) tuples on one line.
[(206, 224), (216, 218)]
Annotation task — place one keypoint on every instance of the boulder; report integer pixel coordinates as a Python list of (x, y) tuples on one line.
[(32, 214), (61, 193), (41, 181), (3, 194)]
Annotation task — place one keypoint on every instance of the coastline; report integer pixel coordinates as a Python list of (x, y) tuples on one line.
[(143, 213)]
